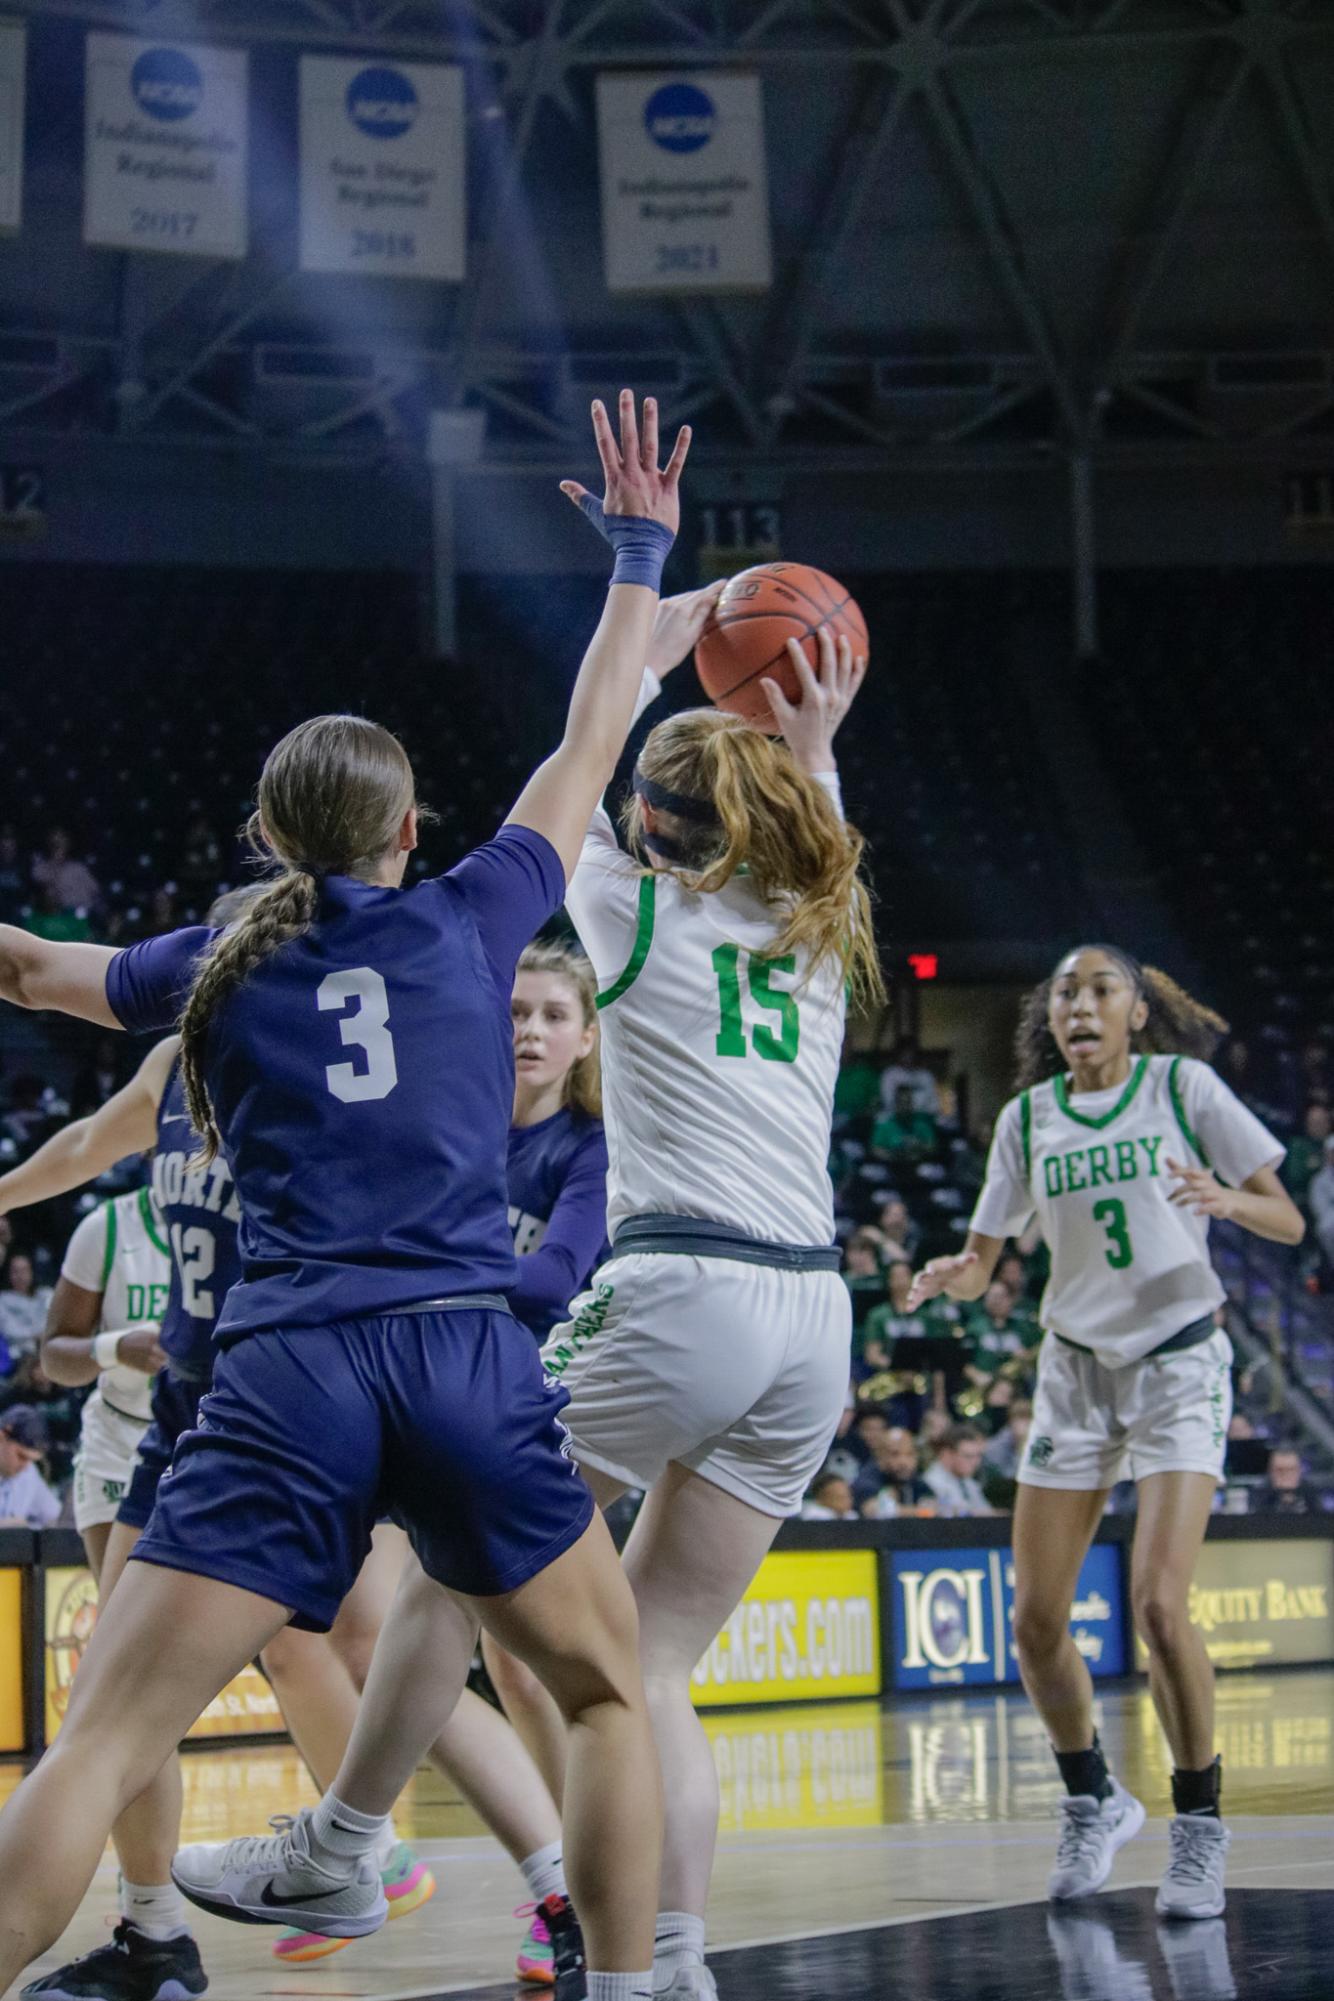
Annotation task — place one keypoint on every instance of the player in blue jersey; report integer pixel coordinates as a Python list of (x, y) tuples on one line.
[(369, 1359)]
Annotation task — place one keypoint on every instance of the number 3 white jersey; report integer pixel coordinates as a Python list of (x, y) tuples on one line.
[(1128, 1270), (718, 1065)]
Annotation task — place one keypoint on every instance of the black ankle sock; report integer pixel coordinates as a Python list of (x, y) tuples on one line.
[(1198, 1792), (1085, 1772)]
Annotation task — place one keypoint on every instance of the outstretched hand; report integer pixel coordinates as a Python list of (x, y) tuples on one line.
[(933, 1278), (678, 623), (810, 725), (634, 483)]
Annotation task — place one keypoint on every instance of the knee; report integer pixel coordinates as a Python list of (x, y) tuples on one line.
[(354, 1650), (281, 1658), (516, 1685), (1160, 1619), (1040, 1631)]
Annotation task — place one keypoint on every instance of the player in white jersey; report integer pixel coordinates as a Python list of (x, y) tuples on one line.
[(102, 1328), (708, 1361), (1124, 1143)]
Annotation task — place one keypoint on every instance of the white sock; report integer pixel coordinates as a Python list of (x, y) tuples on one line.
[(386, 1843), (678, 1942), (155, 1909), (340, 1835), (620, 1986), (544, 1872)]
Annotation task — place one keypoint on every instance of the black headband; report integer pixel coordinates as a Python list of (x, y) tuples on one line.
[(680, 803)]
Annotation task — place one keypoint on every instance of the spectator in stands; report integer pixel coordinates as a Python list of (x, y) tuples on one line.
[(892, 1484), (999, 1473), (1317, 1071), (53, 919), (1306, 1155), (952, 1475), (857, 1092), (68, 883), (159, 914), (23, 1305), (902, 1236), (906, 1135), (13, 882), (997, 1337), (906, 1071), (830, 1499), (1320, 1199), (60, 1408), (26, 1502), (864, 1275), (847, 1454), (1286, 1492), (885, 1323), (32, 1108)]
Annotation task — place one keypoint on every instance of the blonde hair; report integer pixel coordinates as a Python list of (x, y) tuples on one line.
[(332, 797), (775, 822), (1177, 1025), (583, 1080)]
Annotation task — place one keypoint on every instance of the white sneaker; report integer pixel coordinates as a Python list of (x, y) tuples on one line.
[(272, 1879), (688, 1983), (1090, 1837), (1193, 1885)]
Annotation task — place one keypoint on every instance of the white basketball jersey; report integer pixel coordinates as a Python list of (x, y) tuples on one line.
[(119, 1250), (718, 1065), (1128, 1269)]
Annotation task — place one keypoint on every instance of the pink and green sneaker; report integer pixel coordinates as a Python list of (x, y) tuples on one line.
[(536, 1962), (408, 1884)]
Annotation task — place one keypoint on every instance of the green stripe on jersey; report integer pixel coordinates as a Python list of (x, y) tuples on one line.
[(1136, 1078), (648, 888), (1179, 1107), (1026, 1131), (150, 1222), (109, 1255)]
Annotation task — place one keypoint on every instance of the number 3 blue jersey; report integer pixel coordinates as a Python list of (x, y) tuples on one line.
[(362, 1078), (201, 1214)]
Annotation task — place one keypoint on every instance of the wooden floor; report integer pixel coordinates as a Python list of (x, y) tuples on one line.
[(836, 1821)]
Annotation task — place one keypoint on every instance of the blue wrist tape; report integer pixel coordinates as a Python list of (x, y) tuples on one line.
[(642, 546)]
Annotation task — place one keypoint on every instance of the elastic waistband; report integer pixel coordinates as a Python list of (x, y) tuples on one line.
[(130, 1416), (1193, 1336), (450, 1302), (691, 1236)]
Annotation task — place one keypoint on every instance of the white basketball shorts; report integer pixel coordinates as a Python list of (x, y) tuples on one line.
[(1093, 1426), (108, 1443), (738, 1371)]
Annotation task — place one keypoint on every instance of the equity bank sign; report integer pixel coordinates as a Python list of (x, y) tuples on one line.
[(1263, 1603)]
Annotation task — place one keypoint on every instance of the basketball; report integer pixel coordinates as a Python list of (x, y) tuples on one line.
[(747, 636)]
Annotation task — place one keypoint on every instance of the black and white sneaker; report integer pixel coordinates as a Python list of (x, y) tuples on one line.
[(568, 1964), (133, 1967), (273, 1879)]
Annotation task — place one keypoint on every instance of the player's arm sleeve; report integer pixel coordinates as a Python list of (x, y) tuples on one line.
[(149, 984), (550, 1276), (1225, 1133), (510, 887), (85, 1261), (1006, 1201)]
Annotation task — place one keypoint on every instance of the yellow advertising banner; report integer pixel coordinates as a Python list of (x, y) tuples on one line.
[(11, 1660), (246, 1707), (820, 1766), (1262, 1603), (808, 1630)]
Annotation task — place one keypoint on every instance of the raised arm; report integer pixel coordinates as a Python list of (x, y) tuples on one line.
[(40, 973), (639, 516), (126, 1123)]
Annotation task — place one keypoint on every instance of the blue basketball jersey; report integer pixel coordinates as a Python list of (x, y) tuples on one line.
[(201, 1213), (557, 1177), (362, 1079)]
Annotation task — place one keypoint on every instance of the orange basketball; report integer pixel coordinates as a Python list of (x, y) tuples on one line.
[(746, 638)]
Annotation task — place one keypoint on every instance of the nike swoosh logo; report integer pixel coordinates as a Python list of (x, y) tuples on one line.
[(269, 1896), (172, 1119)]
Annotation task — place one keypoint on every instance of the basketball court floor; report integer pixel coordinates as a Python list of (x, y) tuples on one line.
[(868, 1852)]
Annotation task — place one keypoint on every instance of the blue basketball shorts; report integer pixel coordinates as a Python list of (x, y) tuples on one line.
[(443, 1420), (175, 1403)]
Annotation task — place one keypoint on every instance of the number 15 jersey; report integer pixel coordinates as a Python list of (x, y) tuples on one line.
[(718, 1064), (1128, 1268)]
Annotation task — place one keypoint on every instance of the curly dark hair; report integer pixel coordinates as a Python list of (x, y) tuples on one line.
[(1178, 1024)]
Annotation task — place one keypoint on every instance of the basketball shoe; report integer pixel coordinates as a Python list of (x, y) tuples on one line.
[(1091, 1833), (273, 1879), (133, 1967), (408, 1884), (1193, 1885)]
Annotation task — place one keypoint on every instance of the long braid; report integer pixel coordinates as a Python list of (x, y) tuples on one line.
[(1178, 1024), (279, 913)]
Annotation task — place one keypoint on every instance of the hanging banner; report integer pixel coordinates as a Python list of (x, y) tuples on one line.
[(382, 162), (165, 147), (685, 201), (954, 1616), (13, 69)]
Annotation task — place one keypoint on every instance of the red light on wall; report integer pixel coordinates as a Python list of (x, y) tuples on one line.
[(925, 965)]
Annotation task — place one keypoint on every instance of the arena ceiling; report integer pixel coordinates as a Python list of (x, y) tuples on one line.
[(1099, 227)]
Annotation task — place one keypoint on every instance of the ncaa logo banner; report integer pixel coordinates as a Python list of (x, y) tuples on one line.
[(685, 199), (13, 65), (165, 147), (954, 1616), (382, 166)]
